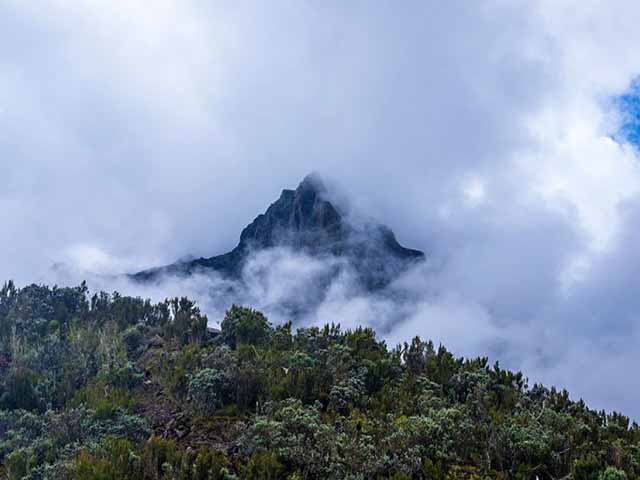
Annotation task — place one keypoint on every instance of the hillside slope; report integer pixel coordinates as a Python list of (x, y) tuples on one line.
[(111, 387)]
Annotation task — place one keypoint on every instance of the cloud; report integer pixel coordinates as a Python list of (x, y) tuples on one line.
[(481, 133)]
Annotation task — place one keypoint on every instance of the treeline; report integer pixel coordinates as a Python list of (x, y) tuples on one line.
[(112, 387)]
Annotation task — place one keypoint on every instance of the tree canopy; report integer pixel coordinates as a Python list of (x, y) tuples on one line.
[(107, 386)]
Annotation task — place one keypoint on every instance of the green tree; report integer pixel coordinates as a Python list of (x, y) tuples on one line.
[(245, 326)]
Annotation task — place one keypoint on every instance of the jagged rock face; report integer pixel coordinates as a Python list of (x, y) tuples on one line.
[(300, 219), (304, 220)]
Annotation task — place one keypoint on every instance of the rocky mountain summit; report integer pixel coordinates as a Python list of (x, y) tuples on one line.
[(305, 220)]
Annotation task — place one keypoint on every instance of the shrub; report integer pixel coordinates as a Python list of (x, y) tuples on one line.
[(612, 473), (263, 466), (586, 468), (209, 390), (117, 461), (17, 464), (20, 391), (104, 398), (134, 339)]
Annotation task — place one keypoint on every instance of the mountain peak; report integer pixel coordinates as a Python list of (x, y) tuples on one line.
[(314, 182), (300, 218), (305, 220)]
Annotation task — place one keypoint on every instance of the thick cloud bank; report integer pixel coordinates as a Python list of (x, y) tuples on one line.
[(484, 133)]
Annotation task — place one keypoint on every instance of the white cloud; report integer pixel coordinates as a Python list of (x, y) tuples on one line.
[(131, 136)]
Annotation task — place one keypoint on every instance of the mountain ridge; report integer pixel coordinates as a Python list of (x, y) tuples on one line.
[(305, 220)]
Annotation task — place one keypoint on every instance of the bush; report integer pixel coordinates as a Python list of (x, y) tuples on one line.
[(103, 398), (209, 390), (159, 453), (17, 464), (612, 473), (125, 377), (134, 340), (117, 461), (20, 391), (164, 459), (263, 466), (586, 468), (210, 465)]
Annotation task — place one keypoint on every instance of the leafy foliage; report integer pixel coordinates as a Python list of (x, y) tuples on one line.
[(114, 387)]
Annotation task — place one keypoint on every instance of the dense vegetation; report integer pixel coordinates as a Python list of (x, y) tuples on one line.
[(111, 387)]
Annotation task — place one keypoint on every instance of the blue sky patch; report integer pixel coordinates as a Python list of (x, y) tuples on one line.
[(629, 106)]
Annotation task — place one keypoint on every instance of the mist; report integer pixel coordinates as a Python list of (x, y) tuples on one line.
[(486, 134)]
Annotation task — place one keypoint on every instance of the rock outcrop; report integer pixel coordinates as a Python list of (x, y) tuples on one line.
[(305, 220)]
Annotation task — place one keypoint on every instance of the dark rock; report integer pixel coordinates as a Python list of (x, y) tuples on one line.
[(305, 220)]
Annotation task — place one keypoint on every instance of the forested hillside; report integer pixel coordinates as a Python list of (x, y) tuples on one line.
[(112, 387)]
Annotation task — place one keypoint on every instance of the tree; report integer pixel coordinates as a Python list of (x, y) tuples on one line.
[(243, 325)]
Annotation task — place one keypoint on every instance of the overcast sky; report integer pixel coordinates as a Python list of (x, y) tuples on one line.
[(486, 133)]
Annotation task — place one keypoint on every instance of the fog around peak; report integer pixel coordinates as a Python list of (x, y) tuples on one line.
[(484, 134)]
